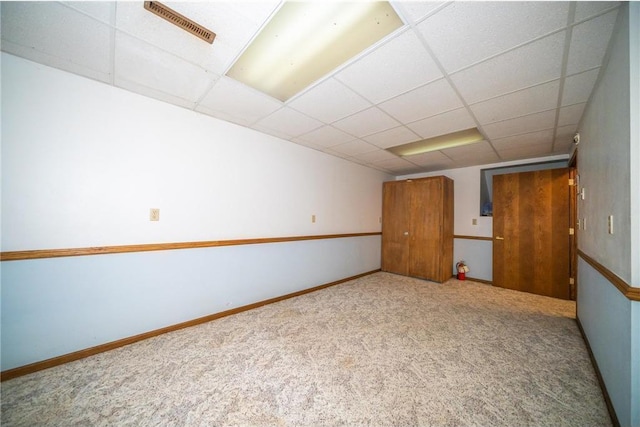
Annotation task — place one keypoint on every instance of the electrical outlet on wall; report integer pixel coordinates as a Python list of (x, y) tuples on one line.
[(154, 214)]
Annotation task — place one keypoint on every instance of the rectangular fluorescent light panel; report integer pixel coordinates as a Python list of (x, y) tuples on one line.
[(455, 139), (306, 40)]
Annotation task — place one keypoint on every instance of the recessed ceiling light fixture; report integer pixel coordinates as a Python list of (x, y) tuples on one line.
[(455, 139), (305, 40)]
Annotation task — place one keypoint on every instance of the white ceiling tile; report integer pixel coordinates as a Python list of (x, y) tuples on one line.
[(392, 137), (336, 153), (520, 68), (566, 132), (375, 156), (145, 65), (562, 148), (271, 132), (354, 148), (101, 10), (329, 101), (381, 169), (434, 159), (442, 124), (122, 44), (521, 103), (426, 101), (289, 122), (151, 92), (571, 114), (578, 88), (563, 142), (466, 32), (105, 76), (524, 152), (58, 36), (230, 100), (233, 30), (478, 159), (326, 136), (437, 167), (524, 124), (307, 144), (414, 11), (397, 165), (395, 67), (366, 122), (585, 9), (589, 42), (525, 140), (357, 160), (255, 11)]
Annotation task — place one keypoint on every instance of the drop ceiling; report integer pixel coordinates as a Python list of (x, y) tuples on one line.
[(521, 72)]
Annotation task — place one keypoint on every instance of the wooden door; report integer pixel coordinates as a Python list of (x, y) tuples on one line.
[(531, 232), (425, 201), (395, 228)]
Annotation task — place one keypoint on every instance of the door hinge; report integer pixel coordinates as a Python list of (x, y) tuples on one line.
[(571, 281), (571, 181), (571, 231)]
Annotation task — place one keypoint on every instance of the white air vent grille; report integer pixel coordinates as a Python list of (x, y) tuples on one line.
[(179, 20)]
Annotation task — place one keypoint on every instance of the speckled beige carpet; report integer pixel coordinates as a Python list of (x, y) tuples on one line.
[(381, 350)]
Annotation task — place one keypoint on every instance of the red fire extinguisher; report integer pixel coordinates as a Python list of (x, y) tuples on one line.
[(462, 269)]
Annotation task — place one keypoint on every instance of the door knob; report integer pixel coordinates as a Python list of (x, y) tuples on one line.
[(499, 238), (406, 233)]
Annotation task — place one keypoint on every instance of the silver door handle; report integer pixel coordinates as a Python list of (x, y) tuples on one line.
[(499, 238)]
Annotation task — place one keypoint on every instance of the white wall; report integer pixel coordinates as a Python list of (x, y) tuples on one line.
[(634, 157), (604, 167), (82, 164), (607, 160), (466, 188)]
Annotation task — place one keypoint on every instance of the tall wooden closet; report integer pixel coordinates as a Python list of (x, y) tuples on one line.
[(417, 228)]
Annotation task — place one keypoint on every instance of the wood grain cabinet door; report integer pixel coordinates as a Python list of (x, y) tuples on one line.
[(426, 229), (531, 240), (417, 228), (395, 228)]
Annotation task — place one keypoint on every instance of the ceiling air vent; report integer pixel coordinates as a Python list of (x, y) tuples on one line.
[(179, 20)]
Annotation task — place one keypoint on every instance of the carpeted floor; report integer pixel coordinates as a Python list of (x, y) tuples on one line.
[(380, 350)]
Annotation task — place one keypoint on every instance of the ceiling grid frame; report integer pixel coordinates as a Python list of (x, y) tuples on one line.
[(451, 83), (257, 16), (563, 73)]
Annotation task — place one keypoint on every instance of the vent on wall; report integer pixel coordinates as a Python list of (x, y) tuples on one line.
[(179, 20)]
